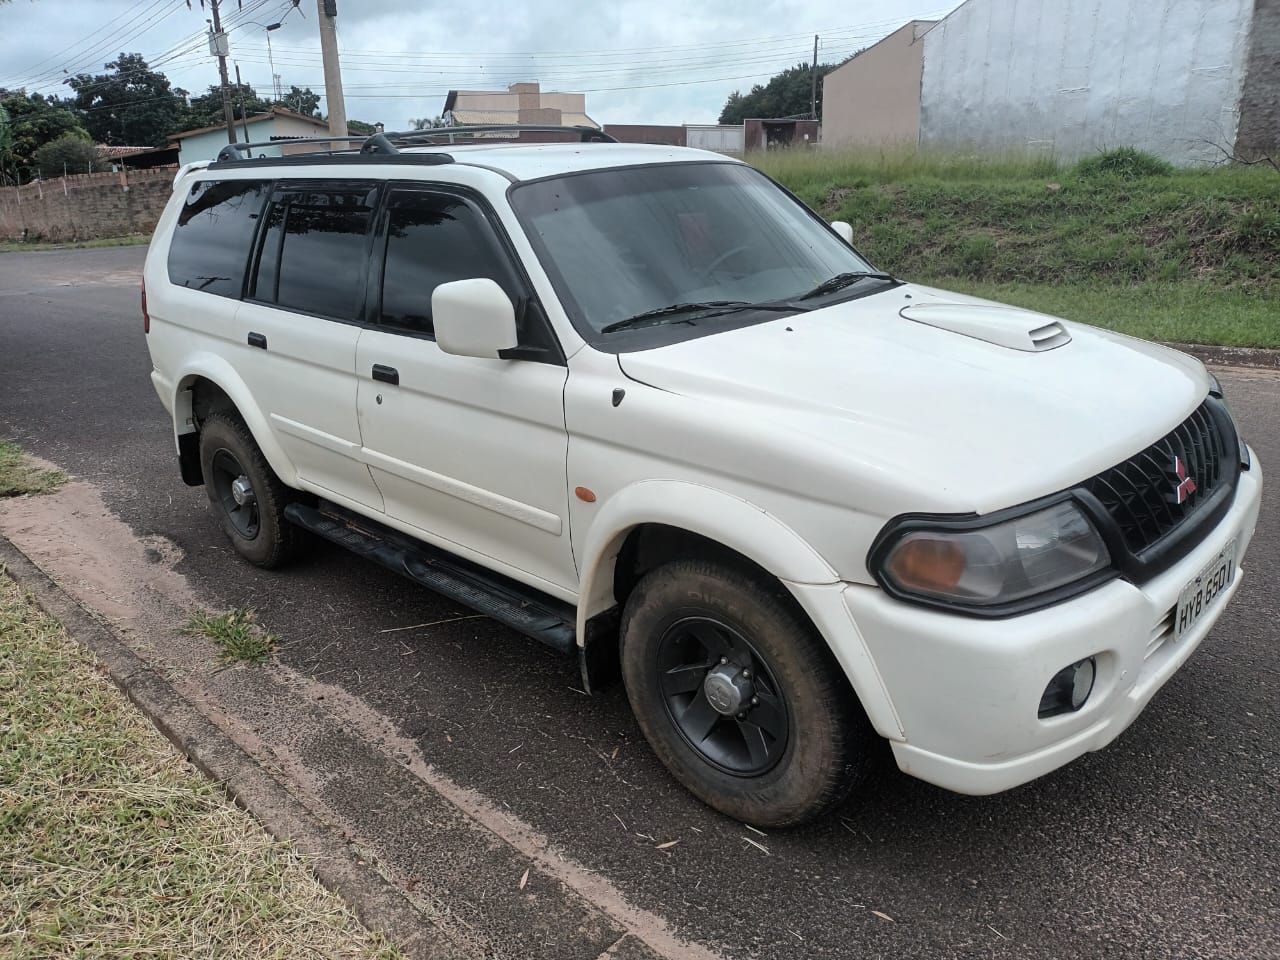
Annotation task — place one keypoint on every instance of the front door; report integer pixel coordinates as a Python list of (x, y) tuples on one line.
[(469, 453)]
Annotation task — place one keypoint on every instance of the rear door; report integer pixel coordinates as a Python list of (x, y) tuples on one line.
[(298, 328), (469, 453)]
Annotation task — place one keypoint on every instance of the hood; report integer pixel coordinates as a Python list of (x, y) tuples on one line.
[(943, 402)]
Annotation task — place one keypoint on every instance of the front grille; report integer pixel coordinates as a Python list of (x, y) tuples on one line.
[(1148, 497)]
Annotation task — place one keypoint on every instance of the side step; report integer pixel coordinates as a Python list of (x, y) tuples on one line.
[(517, 606)]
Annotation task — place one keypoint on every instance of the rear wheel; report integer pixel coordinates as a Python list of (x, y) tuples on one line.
[(738, 696), (245, 493)]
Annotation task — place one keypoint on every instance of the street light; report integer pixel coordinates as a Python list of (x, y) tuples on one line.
[(268, 27)]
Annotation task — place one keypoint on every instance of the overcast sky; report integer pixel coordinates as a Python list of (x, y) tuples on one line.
[(638, 61)]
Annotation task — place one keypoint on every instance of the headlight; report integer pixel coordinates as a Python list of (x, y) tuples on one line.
[(992, 565)]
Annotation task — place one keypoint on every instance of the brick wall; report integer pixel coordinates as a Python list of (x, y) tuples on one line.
[(85, 207)]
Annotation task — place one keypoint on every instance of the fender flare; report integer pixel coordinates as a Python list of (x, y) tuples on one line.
[(725, 518), (756, 534), (218, 371)]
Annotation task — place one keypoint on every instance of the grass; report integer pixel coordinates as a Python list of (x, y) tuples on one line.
[(236, 633), (114, 847), (19, 476), (1180, 312), (19, 246), (1121, 240)]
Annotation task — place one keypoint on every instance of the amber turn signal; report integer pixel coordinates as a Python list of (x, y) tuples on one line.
[(924, 564)]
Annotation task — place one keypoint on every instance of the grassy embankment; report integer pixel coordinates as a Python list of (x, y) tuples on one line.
[(17, 246), (112, 845), (1186, 255)]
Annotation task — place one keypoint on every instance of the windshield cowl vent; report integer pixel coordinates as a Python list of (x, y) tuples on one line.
[(1003, 326)]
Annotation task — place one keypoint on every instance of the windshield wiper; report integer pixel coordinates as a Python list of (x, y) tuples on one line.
[(840, 281), (669, 314)]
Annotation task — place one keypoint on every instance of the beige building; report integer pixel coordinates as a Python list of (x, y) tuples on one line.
[(519, 103), (874, 98)]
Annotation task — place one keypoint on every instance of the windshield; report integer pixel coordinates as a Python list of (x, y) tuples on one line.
[(632, 241)]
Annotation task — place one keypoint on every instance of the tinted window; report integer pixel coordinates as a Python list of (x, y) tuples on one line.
[(434, 239), (621, 242), (211, 242), (313, 250)]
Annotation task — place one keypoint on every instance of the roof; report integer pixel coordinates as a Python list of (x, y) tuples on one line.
[(464, 116), (108, 152), (516, 161), (255, 118), (530, 161)]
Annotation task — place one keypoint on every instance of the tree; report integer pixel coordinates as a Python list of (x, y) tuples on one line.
[(34, 120), (70, 153), (427, 123), (358, 128), (129, 105), (785, 95), (206, 110), (304, 101)]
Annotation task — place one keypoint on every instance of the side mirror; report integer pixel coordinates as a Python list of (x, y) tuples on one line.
[(473, 318), (843, 231)]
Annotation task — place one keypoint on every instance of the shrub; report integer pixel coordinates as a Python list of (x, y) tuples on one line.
[(69, 152), (1127, 163)]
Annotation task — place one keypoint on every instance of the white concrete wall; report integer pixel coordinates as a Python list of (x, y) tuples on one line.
[(1079, 76), (717, 137)]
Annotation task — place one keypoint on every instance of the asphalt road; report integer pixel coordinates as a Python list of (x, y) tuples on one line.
[(1164, 845)]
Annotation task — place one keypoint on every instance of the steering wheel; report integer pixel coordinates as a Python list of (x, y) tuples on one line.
[(711, 268)]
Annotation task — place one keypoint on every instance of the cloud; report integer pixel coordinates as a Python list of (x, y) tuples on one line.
[(639, 61)]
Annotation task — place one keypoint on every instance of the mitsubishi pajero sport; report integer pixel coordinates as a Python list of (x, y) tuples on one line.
[(642, 404)]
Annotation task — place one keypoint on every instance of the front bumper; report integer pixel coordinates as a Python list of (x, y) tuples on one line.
[(961, 694)]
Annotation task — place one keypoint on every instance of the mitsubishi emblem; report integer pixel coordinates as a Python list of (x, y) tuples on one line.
[(1185, 486)]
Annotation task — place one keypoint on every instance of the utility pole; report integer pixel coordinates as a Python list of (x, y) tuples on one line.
[(813, 93), (244, 114), (328, 11), (218, 46)]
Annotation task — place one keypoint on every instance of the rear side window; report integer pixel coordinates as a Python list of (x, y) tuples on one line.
[(211, 243), (313, 252), (433, 239)]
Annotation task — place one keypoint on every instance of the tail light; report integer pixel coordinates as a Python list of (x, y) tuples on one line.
[(146, 317)]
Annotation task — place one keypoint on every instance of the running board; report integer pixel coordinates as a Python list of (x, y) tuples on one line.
[(510, 603)]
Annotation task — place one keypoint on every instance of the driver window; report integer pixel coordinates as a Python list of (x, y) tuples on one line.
[(432, 239)]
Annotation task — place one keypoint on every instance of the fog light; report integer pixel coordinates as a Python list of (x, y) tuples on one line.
[(1069, 689)]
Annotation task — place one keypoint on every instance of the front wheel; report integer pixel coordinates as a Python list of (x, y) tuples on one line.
[(738, 695), (245, 493)]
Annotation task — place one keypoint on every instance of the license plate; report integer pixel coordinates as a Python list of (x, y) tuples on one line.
[(1204, 590)]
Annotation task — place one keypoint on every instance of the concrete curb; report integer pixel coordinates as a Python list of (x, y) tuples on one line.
[(374, 900), (1214, 356)]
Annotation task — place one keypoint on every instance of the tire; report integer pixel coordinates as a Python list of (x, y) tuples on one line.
[(258, 530), (805, 741)]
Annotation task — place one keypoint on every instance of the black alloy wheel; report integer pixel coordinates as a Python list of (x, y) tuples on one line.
[(738, 694), (245, 493), (722, 696), (234, 491)]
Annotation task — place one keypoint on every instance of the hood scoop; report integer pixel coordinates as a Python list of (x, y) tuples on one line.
[(1004, 326)]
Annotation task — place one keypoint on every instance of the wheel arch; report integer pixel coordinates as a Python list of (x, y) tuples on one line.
[(696, 513), (655, 521), (210, 384)]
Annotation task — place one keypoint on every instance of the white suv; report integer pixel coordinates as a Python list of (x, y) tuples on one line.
[(642, 404)]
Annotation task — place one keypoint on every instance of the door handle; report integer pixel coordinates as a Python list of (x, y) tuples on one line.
[(258, 340), (386, 374)]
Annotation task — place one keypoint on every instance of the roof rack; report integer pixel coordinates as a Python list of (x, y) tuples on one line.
[(585, 134), (384, 144)]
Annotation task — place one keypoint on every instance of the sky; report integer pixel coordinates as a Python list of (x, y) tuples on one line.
[(638, 61)]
